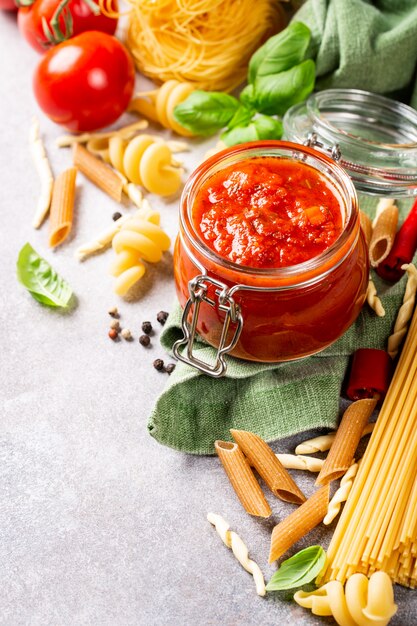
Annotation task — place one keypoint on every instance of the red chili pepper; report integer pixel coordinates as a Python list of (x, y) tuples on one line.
[(403, 250), (370, 375)]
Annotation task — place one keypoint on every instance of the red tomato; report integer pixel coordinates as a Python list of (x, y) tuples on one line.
[(30, 21), (86, 82), (8, 5)]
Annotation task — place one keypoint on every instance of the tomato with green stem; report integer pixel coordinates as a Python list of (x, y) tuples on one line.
[(45, 23), (85, 82)]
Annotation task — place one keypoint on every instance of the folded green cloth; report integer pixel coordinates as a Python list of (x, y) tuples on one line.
[(272, 400), (364, 45)]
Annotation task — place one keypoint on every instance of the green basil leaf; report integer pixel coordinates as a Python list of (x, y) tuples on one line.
[(280, 52), (261, 127), (44, 284), (247, 96), (274, 95), (206, 112), (242, 117), (299, 570)]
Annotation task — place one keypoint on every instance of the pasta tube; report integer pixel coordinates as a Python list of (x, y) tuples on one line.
[(62, 207), (383, 235), (299, 523), (233, 541), (242, 479), (346, 440), (98, 172), (45, 174), (366, 225), (268, 466)]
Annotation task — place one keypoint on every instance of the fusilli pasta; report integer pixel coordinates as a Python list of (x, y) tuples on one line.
[(341, 495), (405, 313)]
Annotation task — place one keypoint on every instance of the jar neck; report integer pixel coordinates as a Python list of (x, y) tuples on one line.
[(302, 274)]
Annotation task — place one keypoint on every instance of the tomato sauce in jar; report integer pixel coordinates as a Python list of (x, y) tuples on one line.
[(270, 262)]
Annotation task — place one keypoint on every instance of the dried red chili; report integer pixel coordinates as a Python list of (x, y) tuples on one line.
[(370, 375)]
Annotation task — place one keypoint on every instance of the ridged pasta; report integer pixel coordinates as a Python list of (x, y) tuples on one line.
[(158, 105), (235, 543), (146, 161), (341, 494), (139, 239), (363, 602), (405, 313)]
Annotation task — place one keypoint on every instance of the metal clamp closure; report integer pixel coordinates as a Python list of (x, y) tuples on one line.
[(198, 290), (313, 142)]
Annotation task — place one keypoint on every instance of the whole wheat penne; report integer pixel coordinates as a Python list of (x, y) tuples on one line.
[(300, 462), (299, 523), (383, 235), (242, 478), (43, 168), (62, 207), (346, 441), (268, 466), (366, 225), (383, 204), (66, 141), (324, 442), (98, 172)]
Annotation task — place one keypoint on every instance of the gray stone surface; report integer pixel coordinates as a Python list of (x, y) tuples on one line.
[(98, 523)]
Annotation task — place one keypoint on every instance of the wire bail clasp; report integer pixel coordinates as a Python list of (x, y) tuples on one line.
[(198, 290), (313, 142)]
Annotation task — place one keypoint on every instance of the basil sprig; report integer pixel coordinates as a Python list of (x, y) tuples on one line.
[(299, 570), (41, 280), (280, 75)]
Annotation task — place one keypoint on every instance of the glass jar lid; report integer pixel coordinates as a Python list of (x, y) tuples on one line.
[(376, 136)]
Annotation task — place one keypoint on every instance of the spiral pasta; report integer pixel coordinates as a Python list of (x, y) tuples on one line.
[(373, 300), (341, 495), (146, 161), (138, 240), (158, 105), (405, 313), (233, 541), (363, 602)]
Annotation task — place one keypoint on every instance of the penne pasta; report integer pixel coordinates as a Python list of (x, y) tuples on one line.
[(346, 440), (366, 225), (299, 523), (98, 172), (242, 478), (383, 235), (62, 207), (324, 442), (384, 203), (43, 168), (268, 466)]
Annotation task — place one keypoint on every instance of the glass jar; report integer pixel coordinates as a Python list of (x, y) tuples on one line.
[(376, 137), (273, 314)]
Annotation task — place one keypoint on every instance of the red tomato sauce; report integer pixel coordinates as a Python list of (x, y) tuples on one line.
[(267, 212)]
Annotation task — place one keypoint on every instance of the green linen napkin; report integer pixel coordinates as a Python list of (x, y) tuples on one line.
[(364, 45), (272, 400)]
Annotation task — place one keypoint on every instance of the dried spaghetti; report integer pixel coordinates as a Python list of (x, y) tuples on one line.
[(205, 42)]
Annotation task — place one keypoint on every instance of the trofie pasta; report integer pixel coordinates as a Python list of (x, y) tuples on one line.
[(341, 494), (242, 479), (138, 240), (233, 541), (62, 207), (346, 440), (373, 300), (147, 162), (324, 442), (268, 466), (45, 174), (99, 139), (159, 104), (378, 526), (405, 312), (204, 42), (300, 462), (363, 602)]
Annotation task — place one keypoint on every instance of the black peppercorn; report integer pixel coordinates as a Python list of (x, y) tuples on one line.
[(147, 328), (162, 317), (116, 216), (159, 365), (170, 368), (144, 340)]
